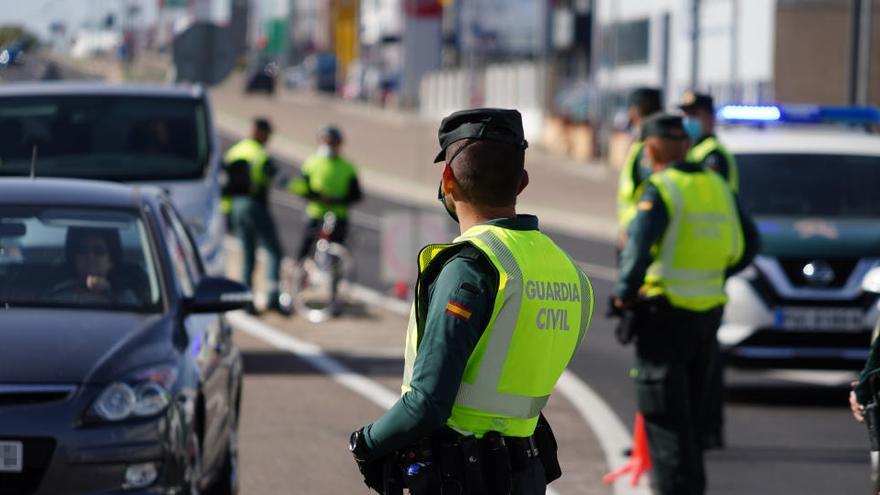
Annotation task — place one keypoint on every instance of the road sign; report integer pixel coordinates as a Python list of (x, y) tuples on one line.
[(204, 53)]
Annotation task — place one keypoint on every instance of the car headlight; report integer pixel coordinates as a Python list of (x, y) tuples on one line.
[(147, 394), (871, 281)]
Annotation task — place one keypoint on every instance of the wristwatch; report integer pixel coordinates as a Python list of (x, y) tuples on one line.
[(357, 445)]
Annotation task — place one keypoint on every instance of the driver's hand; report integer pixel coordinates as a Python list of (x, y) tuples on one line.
[(854, 406), (97, 284)]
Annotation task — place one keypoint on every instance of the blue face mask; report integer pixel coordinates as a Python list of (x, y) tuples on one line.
[(693, 128)]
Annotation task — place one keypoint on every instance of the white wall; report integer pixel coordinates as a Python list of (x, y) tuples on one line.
[(380, 18)]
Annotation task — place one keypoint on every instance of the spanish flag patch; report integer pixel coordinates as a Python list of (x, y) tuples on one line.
[(458, 311)]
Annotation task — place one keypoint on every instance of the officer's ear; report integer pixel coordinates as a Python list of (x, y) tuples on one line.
[(523, 182), (448, 181)]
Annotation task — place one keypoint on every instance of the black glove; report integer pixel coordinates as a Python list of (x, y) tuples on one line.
[(371, 469)]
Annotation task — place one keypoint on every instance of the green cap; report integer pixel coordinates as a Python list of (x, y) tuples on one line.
[(489, 124), (695, 101), (664, 125)]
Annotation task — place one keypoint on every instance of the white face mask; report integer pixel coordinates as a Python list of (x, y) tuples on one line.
[(326, 150)]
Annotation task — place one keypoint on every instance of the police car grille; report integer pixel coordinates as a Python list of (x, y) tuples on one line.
[(843, 268), (23, 395)]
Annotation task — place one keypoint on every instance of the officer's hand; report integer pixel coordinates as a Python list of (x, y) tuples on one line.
[(371, 469), (855, 407)]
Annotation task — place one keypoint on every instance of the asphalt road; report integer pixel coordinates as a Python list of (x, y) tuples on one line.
[(785, 433)]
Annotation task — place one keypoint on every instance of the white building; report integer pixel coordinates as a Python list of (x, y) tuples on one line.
[(650, 42)]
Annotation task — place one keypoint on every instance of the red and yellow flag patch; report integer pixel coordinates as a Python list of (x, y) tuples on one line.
[(458, 311)]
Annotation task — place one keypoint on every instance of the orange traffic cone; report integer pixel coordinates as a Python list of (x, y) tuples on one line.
[(639, 461)]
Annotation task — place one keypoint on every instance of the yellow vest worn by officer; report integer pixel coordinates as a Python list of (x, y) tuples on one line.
[(709, 145), (628, 192), (542, 310), (329, 176), (703, 238), (255, 154)]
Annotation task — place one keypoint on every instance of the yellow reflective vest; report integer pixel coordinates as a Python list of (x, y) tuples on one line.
[(255, 154), (709, 145), (542, 310), (328, 176), (704, 237), (628, 191)]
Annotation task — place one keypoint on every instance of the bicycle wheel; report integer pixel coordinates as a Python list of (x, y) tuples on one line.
[(321, 282)]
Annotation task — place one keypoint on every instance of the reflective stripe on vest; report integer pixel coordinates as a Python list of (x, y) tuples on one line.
[(627, 189), (703, 238), (698, 154), (502, 388)]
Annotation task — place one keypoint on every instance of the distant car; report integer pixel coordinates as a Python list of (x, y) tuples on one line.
[(161, 135), (13, 54), (808, 175), (118, 372), (261, 78)]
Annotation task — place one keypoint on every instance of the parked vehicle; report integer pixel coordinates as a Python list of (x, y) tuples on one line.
[(119, 371)]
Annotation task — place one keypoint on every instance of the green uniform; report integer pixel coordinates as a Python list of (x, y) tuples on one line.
[(249, 214), (688, 236), (710, 153), (496, 321)]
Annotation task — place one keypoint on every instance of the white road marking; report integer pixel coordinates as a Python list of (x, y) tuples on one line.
[(317, 358), (813, 377)]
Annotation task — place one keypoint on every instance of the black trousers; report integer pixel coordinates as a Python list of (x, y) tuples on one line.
[(529, 480), (675, 352)]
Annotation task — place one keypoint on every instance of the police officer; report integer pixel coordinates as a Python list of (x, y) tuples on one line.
[(689, 234), (699, 122), (498, 314), (641, 103), (249, 175), (329, 181), (706, 150)]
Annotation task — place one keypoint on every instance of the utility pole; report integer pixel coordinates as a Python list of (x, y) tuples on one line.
[(864, 60), (854, 40), (734, 51), (695, 43)]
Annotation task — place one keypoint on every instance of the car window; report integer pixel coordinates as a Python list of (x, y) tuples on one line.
[(809, 184), (95, 259), (121, 138), (180, 251)]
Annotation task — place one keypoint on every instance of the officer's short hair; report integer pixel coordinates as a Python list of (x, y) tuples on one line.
[(646, 101), (263, 124), (489, 172)]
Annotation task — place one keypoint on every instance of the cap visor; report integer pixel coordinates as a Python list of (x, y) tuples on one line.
[(441, 157)]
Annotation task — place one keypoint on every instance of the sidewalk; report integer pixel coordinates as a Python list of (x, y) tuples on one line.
[(394, 150)]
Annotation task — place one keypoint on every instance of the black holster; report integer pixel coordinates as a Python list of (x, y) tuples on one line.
[(547, 449)]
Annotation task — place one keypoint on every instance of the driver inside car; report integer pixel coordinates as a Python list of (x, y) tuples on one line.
[(91, 255)]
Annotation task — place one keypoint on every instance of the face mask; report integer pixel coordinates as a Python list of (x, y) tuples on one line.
[(449, 209), (326, 150), (693, 128)]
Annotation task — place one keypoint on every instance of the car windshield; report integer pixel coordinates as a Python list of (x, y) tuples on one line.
[(809, 184), (119, 138), (90, 259)]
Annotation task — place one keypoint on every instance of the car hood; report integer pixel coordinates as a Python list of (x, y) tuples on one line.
[(68, 346), (824, 237)]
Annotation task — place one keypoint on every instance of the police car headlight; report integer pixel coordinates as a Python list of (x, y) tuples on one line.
[(871, 282), (146, 395)]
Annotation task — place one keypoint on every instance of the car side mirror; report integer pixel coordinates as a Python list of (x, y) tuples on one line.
[(216, 295)]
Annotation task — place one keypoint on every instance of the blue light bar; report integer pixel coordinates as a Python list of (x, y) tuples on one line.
[(799, 114), (751, 113)]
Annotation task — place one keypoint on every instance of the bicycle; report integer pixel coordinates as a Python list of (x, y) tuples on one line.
[(318, 285)]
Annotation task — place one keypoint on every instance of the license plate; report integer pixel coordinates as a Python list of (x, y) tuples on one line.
[(814, 319), (11, 457)]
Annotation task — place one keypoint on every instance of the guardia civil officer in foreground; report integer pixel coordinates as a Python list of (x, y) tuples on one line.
[(249, 173), (706, 149), (641, 103), (689, 234), (498, 314)]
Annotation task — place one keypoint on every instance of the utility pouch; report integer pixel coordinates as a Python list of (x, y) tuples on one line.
[(496, 464), (547, 447), (872, 421), (420, 470), (625, 331), (391, 482), (474, 481)]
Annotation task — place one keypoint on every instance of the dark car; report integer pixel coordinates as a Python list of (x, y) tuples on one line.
[(117, 367), (261, 78)]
